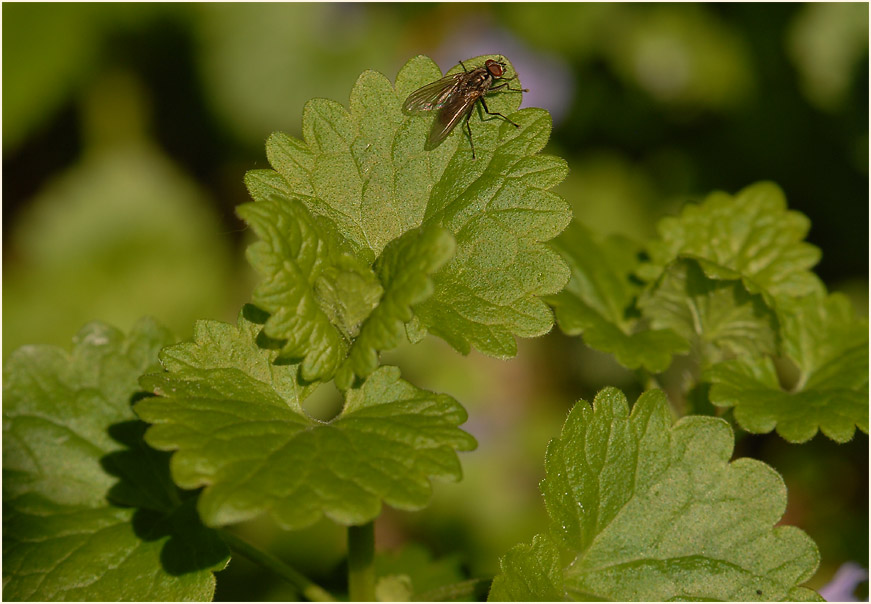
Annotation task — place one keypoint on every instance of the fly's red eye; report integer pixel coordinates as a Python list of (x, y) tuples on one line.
[(494, 68)]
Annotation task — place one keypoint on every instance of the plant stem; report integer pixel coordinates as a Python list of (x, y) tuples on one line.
[(309, 590), (361, 562), (647, 379)]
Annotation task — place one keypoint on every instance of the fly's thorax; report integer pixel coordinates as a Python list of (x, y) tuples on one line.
[(478, 80)]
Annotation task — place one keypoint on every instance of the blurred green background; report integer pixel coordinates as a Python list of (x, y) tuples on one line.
[(127, 129)]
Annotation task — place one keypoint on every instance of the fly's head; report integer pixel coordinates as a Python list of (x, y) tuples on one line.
[(495, 68)]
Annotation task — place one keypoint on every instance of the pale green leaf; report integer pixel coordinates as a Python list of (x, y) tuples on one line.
[(317, 291), (404, 269), (645, 510), (366, 171), (72, 457), (597, 302), (829, 345), (237, 429), (750, 236), (719, 318), (263, 184), (329, 307)]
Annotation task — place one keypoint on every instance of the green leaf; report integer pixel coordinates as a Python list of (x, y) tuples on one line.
[(719, 318), (367, 172), (238, 430), (598, 300), (69, 435), (643, 510), (749, 236), (218, 348), (326, 303), (404, 269), (317, 291), (829, 345)]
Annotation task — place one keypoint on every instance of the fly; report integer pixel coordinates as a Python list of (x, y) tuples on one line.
[(454, 96)]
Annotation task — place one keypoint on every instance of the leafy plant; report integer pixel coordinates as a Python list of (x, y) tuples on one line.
[(366, 239), (729, 281)]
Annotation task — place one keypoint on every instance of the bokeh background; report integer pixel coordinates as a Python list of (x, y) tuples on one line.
[(127, 129)]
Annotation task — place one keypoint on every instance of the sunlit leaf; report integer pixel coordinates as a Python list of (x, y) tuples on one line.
[(317, 291), (749, 236), (237, 428), (366, 172), (645, 510)]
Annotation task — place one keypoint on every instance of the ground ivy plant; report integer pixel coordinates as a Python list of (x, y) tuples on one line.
[(126, 459)]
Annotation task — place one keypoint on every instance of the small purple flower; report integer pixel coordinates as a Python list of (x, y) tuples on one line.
[(842, 587)]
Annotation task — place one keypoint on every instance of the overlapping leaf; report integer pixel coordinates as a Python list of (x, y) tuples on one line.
[(403, 268), (719, 318), (830, 348), (238, 430), (69, 434), (643, 510), (367, 173), (317, 291), (597, 302), (749, 236)]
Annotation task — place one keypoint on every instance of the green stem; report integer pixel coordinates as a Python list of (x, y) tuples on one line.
[(647, 379), (361, 562), (309, 590)]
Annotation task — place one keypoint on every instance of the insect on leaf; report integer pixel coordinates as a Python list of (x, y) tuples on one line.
[(366, 179)]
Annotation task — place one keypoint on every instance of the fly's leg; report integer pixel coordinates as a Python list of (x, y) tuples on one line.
[(469, 128), (464, 67), (488, 112), (506, 86)]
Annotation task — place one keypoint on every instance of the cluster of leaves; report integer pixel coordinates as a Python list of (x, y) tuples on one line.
[(641, 511), (729, 283), (358, 223), (366, 238)]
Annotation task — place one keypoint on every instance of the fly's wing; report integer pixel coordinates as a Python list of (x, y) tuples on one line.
[(449, 116), (432, 96)]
